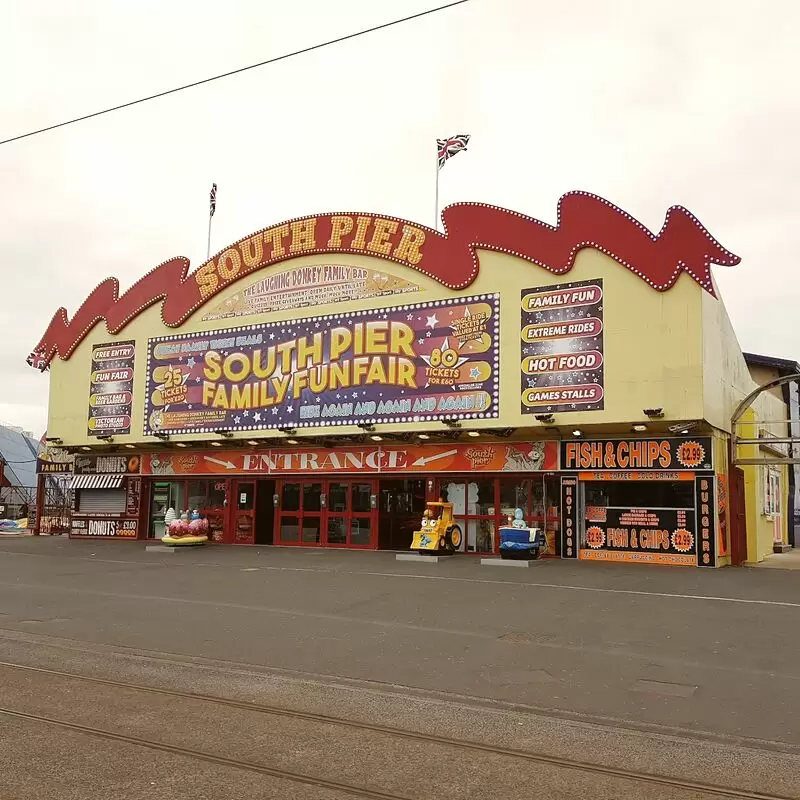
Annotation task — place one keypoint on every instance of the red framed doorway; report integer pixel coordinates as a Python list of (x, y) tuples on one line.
[(337, 512)]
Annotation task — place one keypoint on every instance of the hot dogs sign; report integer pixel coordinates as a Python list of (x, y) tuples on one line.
[(562, 348), (416, 362)]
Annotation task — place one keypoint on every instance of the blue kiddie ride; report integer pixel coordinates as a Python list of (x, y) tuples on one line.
[(517, 540)]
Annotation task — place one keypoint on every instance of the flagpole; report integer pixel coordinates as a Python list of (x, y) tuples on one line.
[(208, 247), (436, 211)]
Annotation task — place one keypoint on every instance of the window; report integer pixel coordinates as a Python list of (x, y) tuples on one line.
[(101, 501), (772, 491), (474, 508)]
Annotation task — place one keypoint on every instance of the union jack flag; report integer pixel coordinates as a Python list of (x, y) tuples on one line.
[(38, 360), (449, 147), (212, 200)]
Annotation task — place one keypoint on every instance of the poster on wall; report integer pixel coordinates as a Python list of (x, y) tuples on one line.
[(562, 348), (315, 285), (657, 536), (111, 389), (410, 363)]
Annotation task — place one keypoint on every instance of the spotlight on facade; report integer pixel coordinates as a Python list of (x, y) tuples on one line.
[(107, 439), (451, 423), (288, 431), (653, 413), (640, 428), (577, 432), (683, 427), (547, 418), (225, 434), (54, 440), (367, 428), (163, 436)]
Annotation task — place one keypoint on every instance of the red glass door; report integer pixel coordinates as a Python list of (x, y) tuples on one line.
[(244, 512), (351, 518), (298, 516)]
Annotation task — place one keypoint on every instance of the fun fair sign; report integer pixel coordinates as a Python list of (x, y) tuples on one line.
[(450, 258), (409, 363)]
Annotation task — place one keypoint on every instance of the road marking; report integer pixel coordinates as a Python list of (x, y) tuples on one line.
[(585, 589), (570, 587)]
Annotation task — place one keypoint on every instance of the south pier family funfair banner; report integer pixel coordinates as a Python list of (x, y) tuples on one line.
[(426, 361), (562, 348)]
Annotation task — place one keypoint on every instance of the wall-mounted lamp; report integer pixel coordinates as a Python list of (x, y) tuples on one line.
[(163, 436), (451, 423), (108, 439), (54, 440), (640, 428), (225, 434), (653, 413), (288, 431), (682, 427), (367, 428), (547, 418), (577, 432)]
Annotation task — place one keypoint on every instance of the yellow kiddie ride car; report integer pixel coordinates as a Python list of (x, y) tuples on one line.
[(439, 533)]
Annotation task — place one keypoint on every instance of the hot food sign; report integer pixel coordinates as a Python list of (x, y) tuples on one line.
[(409, 363)]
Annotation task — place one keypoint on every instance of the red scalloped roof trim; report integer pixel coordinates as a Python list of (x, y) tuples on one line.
[(584, 220)]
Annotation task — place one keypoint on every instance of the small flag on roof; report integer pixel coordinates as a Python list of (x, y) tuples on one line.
[(449, 147), (213, 200)]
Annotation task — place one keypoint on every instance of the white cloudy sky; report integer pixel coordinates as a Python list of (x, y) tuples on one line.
[(647, 104)]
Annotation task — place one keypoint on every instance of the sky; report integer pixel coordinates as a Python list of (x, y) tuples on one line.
[(646, 104)]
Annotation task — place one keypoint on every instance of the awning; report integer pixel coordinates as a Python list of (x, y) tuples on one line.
[(97, 481)]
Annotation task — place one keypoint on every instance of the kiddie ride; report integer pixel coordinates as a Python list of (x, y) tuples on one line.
[(439, 532), (519, 541), (185, 530)]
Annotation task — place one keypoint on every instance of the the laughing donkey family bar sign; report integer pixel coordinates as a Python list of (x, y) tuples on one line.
[(450, 258)]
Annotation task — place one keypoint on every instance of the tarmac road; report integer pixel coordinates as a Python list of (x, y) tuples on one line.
[(680, 673)]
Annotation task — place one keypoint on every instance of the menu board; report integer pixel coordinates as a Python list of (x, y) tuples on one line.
[(562, 348), (111, 389), (656, 535)]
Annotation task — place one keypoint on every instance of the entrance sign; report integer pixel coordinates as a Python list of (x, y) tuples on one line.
[(522, 457), (410, 363), (562, 348)]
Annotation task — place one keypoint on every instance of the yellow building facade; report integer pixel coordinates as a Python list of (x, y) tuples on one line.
[(317, 382)]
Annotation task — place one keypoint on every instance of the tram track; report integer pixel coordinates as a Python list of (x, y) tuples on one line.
[(708, 789)]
